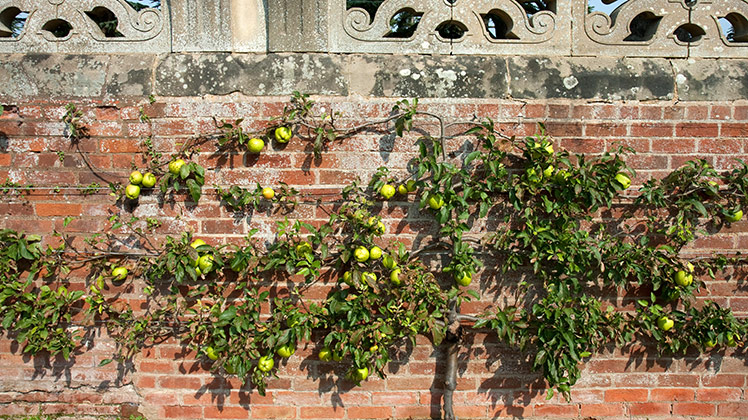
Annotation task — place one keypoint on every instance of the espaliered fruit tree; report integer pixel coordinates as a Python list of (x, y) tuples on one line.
[(516, 208)]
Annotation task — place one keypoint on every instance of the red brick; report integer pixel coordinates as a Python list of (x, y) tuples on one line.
[(724, 380), (626, 395), (148, 366), (548, 410), (671, 394), (583, 145), (416, 411), (679, 145), (558, 111), (718, 394), (720, 146), (733, 409), (327, 412), (177, 412), (161, 398), (697, 112), (58, 209), (226, 412), (740, 112), (602, 410), (720, 112), (649, 409), (651, 130), (120, 145), (696, 130), (272, 412), (604, 130), (694, 409), (369, 412), (733, 130), (564, 129), (180, 382)]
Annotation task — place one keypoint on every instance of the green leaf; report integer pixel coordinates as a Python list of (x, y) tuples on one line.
[(195, 190)]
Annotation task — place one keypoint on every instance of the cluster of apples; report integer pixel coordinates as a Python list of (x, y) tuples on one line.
[(388, 190), (137, 179), (204, 262), (282, 135), (363, 254)]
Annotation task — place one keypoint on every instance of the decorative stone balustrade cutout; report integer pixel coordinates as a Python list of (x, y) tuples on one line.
[(83, 26), (623, 28), (452, 26), (663, 28)]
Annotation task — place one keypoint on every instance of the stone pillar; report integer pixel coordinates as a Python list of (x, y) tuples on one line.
[(297, 25), (199, 25), (248, 25)]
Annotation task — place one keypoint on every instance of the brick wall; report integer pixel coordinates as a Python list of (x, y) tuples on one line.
[(169, 381)]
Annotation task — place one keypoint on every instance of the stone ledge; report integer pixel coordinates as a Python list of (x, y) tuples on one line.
[(110, 76)]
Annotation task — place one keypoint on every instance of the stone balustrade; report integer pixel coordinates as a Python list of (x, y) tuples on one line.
[(636, 28)]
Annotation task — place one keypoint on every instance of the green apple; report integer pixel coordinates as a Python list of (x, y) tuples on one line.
[(286, 351), (211, 353), (119, 273), (368, 277), (623, 180), (149, 180), (388, 262), (175, 166), (683, 279), (132, 192), (387, 191), (665, 323), (303, 248), (463, 278), (379, 225), (360, 374), (436, 201), (197, 243), (395, 277), (347, 276), (561, 176), (375, 253), (410, 185), (205, 263), (283, 134), (733, 215), (325, 354), (402, 189), (136, 177), (361, 254), (255, 145), (266, 363)]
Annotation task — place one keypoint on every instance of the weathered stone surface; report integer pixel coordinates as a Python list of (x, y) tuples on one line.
[(584, 78), (428, 77), (272, 74), (591, 78), (48, 75), (201, 25), (297, 25), (75, 76), (130, 75), (711, 80)]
